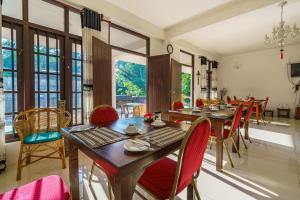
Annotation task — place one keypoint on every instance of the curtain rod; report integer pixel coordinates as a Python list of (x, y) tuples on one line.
[(76, 8)]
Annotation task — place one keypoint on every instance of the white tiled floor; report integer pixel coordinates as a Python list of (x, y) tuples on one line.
[(269, 169)]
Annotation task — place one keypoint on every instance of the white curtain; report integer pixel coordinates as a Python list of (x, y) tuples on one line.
[(214, 91), (203, 77), (87, 36), (2, 122), (91, 28)]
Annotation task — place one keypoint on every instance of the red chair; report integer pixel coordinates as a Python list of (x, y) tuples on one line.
[(228, 99), (100, 115), (167, 178), (199, 103), (229, 134), (177, 105), (103, 114), (47, 188)]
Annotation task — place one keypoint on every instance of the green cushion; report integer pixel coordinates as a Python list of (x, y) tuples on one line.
[(37, 138)]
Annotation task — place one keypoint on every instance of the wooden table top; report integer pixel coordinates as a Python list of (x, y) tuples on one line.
[(115, 155), (205, 112)]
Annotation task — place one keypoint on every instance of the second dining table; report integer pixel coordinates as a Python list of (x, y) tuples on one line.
[(122, 168), (218, 120)]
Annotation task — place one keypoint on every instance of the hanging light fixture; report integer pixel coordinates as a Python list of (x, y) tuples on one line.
[(283, 33)]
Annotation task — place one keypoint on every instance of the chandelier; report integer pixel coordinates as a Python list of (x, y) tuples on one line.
[(283, 33)]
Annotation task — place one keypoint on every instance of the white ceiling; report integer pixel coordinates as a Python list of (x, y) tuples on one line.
[(165, 13), (245, 32)]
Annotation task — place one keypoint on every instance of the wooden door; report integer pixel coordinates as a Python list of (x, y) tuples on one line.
[(176, 81), (102, 73), (159, 83)]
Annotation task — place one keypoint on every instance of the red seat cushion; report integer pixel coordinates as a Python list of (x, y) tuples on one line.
[(47, 188), (225, 133), (159, 178)]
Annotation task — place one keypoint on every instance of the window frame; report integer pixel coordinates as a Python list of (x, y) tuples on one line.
[(19, 72)]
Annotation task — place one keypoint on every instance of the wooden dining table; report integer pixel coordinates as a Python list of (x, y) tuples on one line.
[(217, 125), (122, 168)]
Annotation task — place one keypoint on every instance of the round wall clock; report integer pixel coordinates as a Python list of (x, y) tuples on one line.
[(169, 48)]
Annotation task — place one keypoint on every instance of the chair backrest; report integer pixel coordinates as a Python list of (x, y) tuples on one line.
[(139, 110), (177, 105), (228, 99), (103, 114), (234, 97), (249, 112), (41, 120), (265, 104), (199, 103), (236, 120), (191, 154)]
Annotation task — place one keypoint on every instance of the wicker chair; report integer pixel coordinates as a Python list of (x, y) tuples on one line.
[(39, 129)]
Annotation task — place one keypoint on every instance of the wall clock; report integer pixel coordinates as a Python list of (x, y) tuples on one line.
[(169, 48)]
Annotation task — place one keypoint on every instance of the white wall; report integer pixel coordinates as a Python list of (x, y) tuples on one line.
[(260, 74)]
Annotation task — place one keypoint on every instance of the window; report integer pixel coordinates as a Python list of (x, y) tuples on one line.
[(12, 8), (46, 14), (47, 68), (187, 78), (11, 65), (77, 105)]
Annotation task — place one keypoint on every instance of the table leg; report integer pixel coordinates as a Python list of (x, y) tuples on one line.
[(190, 192), (237, 141), (217, 126), (73, 172), (257, 113), (219, 155), (124, 187)]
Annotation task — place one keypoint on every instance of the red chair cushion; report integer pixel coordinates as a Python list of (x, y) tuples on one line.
[(47, 188), (225, 133), (103, 115), (178, 105), (159, 177)]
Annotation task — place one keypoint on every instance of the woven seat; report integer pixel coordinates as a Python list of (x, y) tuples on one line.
[(42, 137)]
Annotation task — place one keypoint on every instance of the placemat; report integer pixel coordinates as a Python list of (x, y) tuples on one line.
[(99, 137), (163, 137)]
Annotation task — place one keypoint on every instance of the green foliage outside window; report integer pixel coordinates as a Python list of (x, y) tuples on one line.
[(130, 78), (186, 87)]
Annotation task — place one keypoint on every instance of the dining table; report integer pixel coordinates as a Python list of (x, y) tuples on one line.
[(123, 168), (218, 120)]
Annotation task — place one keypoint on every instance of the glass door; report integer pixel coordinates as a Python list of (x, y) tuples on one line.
[(11, 62), (48, 62)]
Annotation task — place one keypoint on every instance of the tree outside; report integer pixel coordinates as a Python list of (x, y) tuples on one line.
[(130, 79), (186, 88)]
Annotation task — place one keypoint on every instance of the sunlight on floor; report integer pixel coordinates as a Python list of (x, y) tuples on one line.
[(272, 137)]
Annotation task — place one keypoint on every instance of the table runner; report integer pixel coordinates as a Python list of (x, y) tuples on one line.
[(162, 137), (100, 136)]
